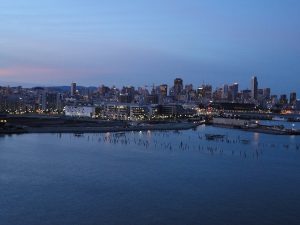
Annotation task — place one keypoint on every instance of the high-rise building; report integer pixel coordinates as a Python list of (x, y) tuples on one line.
[(127, 94), (297, 104), (163, 89), (246, 95), (51, 101), (260, 94), (178, 86), (73, 89), (293, 98), (217, 94), (254, 88), (225, 91), (205, 91), (103, 90), (188, 88), (233, 91), (59, 99), (267, 93), (42, 101), (274, 99), (283, 99)]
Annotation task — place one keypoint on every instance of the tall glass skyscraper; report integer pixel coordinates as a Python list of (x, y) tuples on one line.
[(254, 87)]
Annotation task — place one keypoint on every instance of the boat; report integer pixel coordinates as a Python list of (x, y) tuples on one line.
[(279, 118), (245, 141), (118, 134), (78, 134)]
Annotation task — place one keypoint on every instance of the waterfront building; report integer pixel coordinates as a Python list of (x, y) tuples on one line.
[(234, 122), (139, 112), (117, 111), (170, 110), (79, 111), (153, 111), (229, 106)]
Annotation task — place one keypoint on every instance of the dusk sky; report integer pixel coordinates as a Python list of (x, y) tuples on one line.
[(94, 42)]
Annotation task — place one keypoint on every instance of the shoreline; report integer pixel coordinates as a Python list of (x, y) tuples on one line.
[(263, 130), (95, 129)]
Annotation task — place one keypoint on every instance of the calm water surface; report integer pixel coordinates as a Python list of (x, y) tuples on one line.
[(150, 178)]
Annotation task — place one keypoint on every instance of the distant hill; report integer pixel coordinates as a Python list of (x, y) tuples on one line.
[(67, 88), (53, 88)]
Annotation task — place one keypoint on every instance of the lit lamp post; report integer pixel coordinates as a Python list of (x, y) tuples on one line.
[(293, 126), (2, 123)]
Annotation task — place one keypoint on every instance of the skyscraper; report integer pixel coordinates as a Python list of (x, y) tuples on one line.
[(163, 89), (225, 91), (233, 91), (254, 88), (73, 89), (293, 98), (283, 99), (205, 91), (178, 86), (267, 93)]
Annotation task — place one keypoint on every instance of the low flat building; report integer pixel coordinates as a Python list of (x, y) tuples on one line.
[(234, 122)]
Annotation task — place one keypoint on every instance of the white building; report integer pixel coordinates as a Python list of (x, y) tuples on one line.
[(79, 111)]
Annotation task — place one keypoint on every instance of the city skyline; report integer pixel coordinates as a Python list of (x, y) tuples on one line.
[(114, 42), (169, 84)]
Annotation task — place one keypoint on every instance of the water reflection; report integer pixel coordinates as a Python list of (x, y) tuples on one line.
[(209, 141), (150, 178)]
